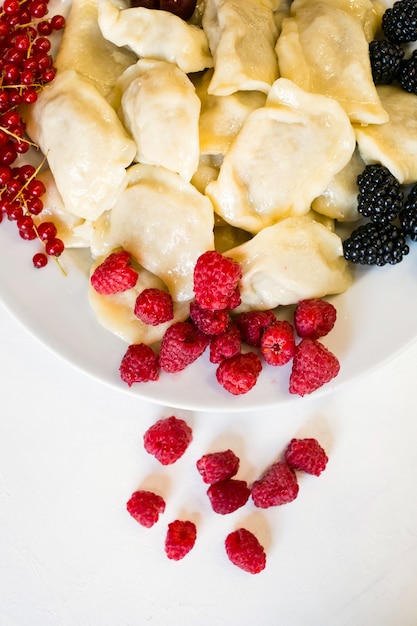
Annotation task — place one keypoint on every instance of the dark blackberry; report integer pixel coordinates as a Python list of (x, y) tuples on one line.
[(376, 244), (385, 57), (399, 23), (380, 195), (408, 215), (407, 74)]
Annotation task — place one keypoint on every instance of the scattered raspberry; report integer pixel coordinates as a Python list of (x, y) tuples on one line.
[(145, 507), (225, 345), (217, 466), (154, 306), (314, 318), (252, 325), (239, 373), (216, 278), (228, 495), (306, 455), (278, 343), (313, 366), (245, 551), (278, 485), (139, 364), (168, 439), (181, 345), (180, 539), (234, 300), (207, 321), (114, 274)]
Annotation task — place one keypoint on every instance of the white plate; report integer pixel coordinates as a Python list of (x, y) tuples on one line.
[(376, 319)]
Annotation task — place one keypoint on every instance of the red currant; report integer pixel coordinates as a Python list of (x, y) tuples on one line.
[(40, 260), (47, 231), (54, 247)]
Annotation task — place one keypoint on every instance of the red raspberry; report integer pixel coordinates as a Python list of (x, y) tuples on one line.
[(313, 366), (209, 322), (145, 507), (278, 485), (180, 539), (278, 343), (239, 373), (245, 551), (314, 318), (114, 274), (154, 306), (228, 495), (306, 455), (168, 439), (181, 345), (216, 278), (225, 345), (139, 364), (252, 325), (217, 466)]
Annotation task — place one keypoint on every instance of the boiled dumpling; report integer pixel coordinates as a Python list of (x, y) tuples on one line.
[(115, 312), (84, 49), (85, 143), (242, 37), (393, 144), (284, 156), (155, 35), (324, 48), (295, 259), (164, 222), (160, 109)]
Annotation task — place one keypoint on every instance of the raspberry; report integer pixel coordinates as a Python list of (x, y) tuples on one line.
[(145, 507), (114, 275), (168, 439), (252, 324), (228, 495), (180, 539), (139, 364), (217, 466), (306, 455), (314, 318), (216, 278), (278, 485), (225, 345), (239, 373), (209, 322), (278, 343), (181, 345), (154, 306), (313, 366), (245, 551)]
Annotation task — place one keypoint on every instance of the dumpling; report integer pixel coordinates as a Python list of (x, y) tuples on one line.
[(295, 259), (242, 37), (324, 48), (393, 144), (160, 109), (284, 156), (85, 143), (164, 222), (115, 312), (222, 116), (155, 35), (84, 49)]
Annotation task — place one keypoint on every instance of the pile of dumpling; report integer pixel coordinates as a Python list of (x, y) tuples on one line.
[(242, 130)]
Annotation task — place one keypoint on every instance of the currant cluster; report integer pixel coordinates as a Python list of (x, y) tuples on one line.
[(26, 65)]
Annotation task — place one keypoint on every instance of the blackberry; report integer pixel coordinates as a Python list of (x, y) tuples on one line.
[(385, 57), (380, 195), (376, 244), (408, 215), (407, 74), (399, 23)]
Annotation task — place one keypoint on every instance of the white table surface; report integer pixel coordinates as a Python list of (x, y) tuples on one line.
[(343, 554)]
